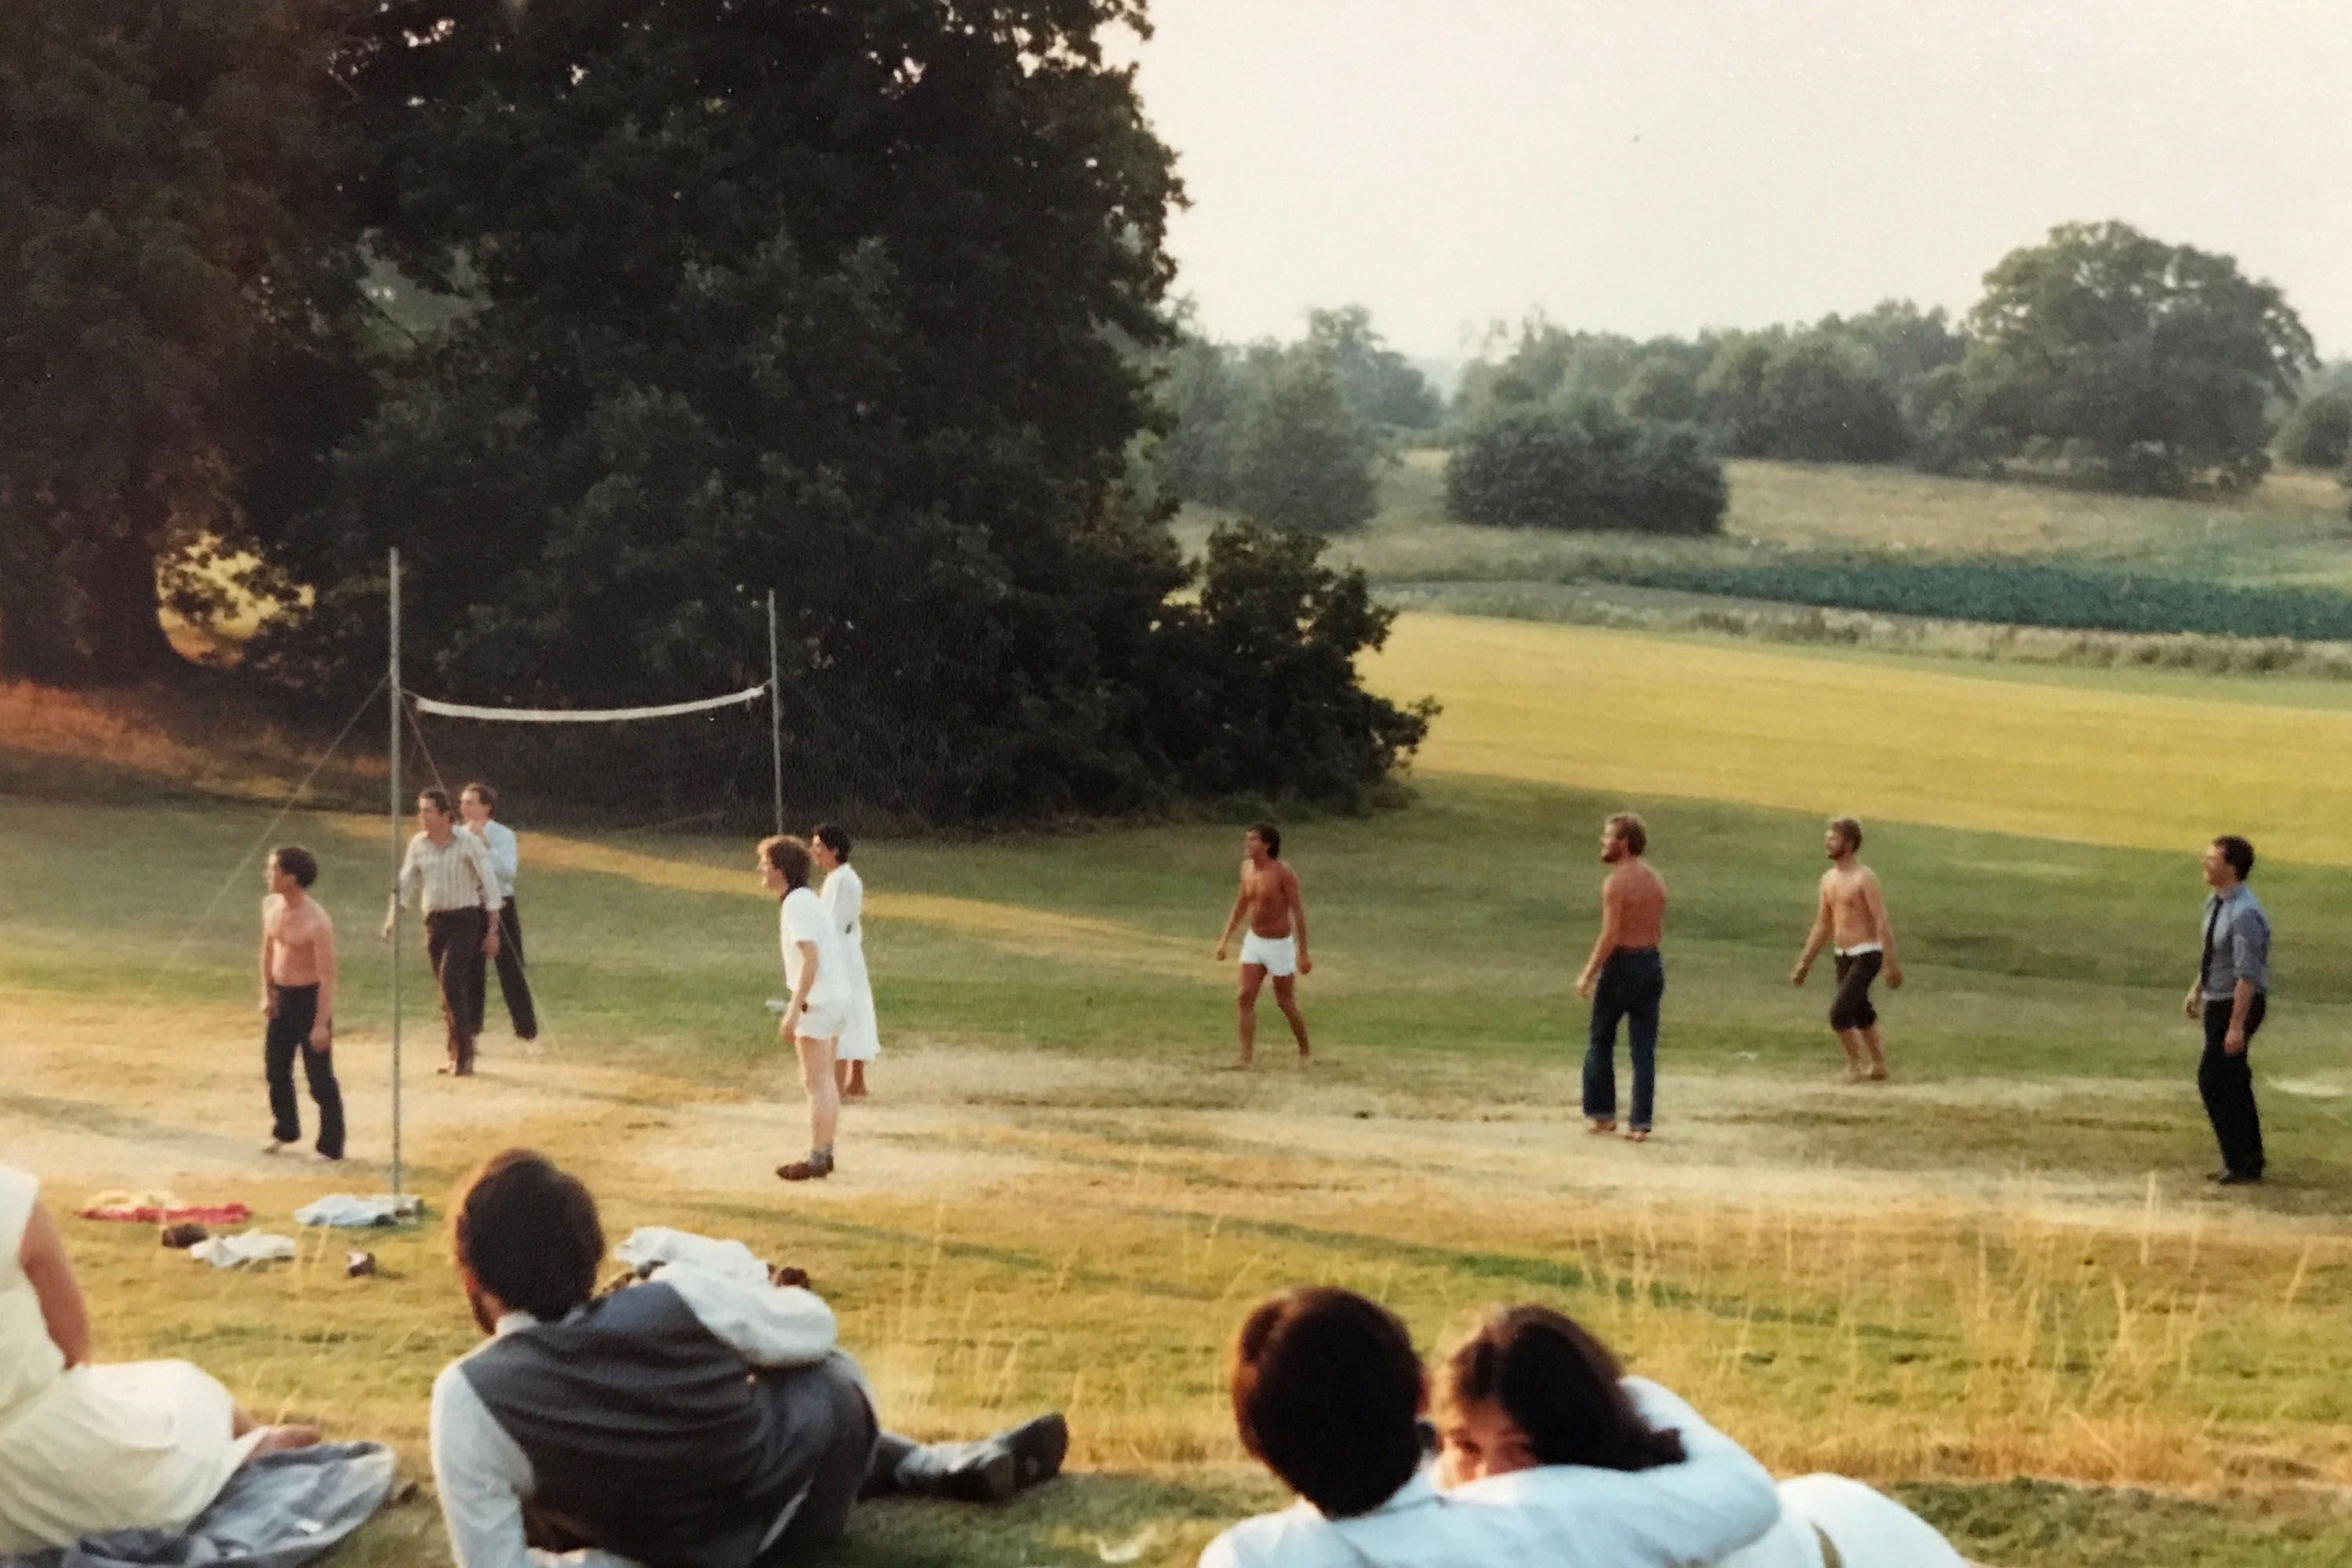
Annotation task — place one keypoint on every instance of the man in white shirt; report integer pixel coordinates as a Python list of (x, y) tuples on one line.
[(1327, 1392), (697, 1420), (478, 803), (818, 1009), (449, 873)]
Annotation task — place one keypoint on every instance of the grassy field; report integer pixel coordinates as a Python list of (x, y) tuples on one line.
[(2001, 1265), (1882, 540)]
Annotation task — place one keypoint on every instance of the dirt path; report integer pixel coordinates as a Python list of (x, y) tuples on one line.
[(172, 1102)]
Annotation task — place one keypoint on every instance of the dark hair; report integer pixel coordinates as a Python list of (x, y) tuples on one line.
[(438, 799), (834, 838), (487, 794), (1559, 1386), (528, 1232), (2238, 853), (1627, 827), (1271, 834), (1847, 828), (297, 863), (788, 855), (1328, 1394)]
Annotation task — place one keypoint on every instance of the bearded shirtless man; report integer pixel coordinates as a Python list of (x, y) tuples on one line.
[(1277, 943), (1852, 913), (1625, 978), (297, 998)]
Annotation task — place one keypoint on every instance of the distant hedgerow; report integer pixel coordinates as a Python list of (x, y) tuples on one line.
[(2016, 593)]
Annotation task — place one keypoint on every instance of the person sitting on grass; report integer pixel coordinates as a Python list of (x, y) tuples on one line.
[(85, 1448), (1532, 1388), (1329, 1393), (695, 1420)]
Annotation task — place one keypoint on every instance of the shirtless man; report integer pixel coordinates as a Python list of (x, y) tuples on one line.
[(1853, 914), (1625, 978), (297, 998), (1277, 943)]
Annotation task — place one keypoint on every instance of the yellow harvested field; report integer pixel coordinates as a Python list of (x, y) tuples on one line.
[(1640, 715)]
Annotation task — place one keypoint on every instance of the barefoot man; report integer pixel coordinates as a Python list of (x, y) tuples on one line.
[(1277, 943), (1625, 978), (297, 998), (1853, 912)]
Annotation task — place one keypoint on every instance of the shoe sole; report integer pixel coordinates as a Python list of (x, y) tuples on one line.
[(1039, 1446)]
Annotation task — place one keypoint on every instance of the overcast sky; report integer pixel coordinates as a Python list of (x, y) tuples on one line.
[(1661, 166)]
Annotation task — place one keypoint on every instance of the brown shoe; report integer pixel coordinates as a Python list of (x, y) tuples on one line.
[(809, 1170)]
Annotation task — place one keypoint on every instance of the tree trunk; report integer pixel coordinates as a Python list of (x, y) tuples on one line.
[(123, 630)]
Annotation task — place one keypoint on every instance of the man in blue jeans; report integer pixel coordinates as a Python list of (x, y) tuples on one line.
[(1624, 977), (2232, 993)]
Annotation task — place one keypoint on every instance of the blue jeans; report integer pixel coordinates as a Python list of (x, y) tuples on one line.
[(1631, 982)]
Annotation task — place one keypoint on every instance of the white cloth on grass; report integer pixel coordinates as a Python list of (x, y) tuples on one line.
[(352, 1212), (803, 918), (650, 1244), (1560, 1516), (247, 1247), (844, 898), (141, 1444)]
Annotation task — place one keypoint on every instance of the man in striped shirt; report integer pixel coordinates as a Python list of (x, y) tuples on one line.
[(450, 873)]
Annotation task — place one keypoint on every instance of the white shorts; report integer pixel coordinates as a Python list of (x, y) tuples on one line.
[(824, 1020), (1277, 955)]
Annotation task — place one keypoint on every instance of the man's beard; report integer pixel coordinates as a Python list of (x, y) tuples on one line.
[(480, 1301)]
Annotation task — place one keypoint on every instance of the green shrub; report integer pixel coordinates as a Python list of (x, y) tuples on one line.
[(2318, 433), (1584, 467)]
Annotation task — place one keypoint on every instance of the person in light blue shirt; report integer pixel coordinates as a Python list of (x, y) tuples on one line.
[(479, 803), (2230, 997)]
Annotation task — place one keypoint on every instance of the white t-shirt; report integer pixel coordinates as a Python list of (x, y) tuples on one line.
[(804, 919)]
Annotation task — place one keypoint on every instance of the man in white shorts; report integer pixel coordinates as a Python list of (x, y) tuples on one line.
[(818, 1009), (1276, 942)]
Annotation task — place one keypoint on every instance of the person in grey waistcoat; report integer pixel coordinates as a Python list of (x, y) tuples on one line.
[(694, 1420)]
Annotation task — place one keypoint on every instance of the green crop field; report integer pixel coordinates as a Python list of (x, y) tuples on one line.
[(1996, 1286)]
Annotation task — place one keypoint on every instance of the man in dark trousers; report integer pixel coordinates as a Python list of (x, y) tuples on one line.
[(699, 1419), (2232, 993)]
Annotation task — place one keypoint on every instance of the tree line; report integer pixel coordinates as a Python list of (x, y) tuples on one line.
[(2100, 356), (613, 318)]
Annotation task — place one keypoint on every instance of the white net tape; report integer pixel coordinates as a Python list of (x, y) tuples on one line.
[(586, 715)]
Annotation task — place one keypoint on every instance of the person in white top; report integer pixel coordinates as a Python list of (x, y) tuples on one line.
[(844, 898), (1533, 1388), (478, 804), (818, 1010), (1327, 1392), (86, 1448)]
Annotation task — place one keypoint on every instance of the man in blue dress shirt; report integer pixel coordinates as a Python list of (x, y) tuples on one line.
[(2230, 996)]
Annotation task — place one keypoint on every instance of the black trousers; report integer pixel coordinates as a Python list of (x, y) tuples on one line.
[(2227, 1083), (288, 1036), (514, 985), (453, 941)]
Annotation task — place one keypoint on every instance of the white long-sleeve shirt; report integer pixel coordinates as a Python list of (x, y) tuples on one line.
[(1555, 1516), (484, 1477), (506, 855)]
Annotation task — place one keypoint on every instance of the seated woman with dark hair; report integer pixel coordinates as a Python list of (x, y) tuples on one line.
[(1533, 1388), (88, 1449), (1327, 1394)]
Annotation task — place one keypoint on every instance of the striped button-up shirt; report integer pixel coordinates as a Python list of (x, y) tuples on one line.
[(453, 875)]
